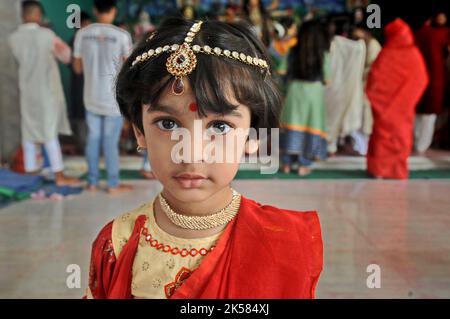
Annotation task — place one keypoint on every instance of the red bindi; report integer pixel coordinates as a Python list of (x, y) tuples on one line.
[(193, 107)]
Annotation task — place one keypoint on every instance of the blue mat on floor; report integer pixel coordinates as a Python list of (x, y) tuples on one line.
[(19, 183), (16, 187)]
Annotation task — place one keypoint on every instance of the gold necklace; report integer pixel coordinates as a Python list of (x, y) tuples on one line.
[(217, 219)]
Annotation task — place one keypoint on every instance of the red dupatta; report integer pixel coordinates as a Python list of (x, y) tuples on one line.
[(265, 252)]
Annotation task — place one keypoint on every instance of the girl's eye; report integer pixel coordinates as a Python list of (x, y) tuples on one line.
[(219, 128), (166, 124)]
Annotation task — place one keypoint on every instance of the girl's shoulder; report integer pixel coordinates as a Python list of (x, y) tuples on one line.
[(271, 210), (107, 247), (283, 232), (118, 231), (281, 219), (124, 225)]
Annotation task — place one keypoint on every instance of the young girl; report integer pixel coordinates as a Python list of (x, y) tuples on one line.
[(285, 40), (199, 238), (304, 137)]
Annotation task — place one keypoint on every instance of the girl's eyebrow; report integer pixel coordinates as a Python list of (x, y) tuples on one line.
[(231, 113), (175, 112), (163, 108)]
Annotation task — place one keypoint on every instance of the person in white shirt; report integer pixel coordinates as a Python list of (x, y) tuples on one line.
[(42, 103), (99, 51)]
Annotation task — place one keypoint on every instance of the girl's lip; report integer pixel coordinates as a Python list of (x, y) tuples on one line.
[(190, 176), (190, 181)]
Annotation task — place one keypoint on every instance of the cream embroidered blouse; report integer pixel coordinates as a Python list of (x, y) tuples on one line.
[(162, 261)]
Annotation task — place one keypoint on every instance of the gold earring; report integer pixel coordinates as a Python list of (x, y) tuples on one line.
[(140, 149)]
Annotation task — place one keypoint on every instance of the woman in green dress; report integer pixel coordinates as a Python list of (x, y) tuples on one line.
[(303, 131)]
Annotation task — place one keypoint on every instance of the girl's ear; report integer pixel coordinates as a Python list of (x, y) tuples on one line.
[(140, 137), (251, 146)]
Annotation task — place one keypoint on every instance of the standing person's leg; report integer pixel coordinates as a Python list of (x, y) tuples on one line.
[(30, 157), (287, 157), (112, 129), (287, 160), (304, 166), (146, 170), (94, 124), (53, 149), (424, 131), (361, 142)]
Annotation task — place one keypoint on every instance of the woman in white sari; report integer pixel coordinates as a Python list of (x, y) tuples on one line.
[(344, 97)]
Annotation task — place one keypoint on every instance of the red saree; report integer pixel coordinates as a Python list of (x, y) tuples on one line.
[(395, 85), (264, 252), (433, 42)]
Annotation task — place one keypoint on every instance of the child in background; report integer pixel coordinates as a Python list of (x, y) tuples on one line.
[(303, 135), (99, 50), (286, 39), (199, 238)]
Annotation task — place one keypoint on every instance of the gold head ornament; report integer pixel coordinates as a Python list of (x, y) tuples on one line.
[(183, 59)]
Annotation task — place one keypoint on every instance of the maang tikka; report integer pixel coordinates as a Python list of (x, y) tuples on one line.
[(183, 59)]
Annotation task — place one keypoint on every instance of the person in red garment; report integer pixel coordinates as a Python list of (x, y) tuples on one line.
[(433, 40), (395, 85), (200, 238)]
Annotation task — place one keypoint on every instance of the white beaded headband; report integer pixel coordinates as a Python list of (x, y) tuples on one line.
[(183, 59)]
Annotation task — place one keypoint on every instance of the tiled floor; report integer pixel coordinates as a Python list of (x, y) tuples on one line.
[(401, 226), (433, 159)]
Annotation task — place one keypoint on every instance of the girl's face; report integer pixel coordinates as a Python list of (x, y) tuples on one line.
[(441, 19), (193, 179), (359, 34)]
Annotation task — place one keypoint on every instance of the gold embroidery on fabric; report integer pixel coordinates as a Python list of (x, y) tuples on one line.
[(170, 263), (145, 266), (156, 283), (126, 216)]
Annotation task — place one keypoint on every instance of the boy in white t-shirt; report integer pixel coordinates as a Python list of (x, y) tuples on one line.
[(99, 51)]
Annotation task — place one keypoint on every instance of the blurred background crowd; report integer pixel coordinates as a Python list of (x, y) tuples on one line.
[(327, 46)]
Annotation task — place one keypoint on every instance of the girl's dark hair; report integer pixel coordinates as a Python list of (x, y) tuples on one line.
[(210, 81), (306, 58)]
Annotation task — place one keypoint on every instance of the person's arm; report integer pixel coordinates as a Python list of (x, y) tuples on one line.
[(326, 69), (61, 50), (127, 47), (77, 65)]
